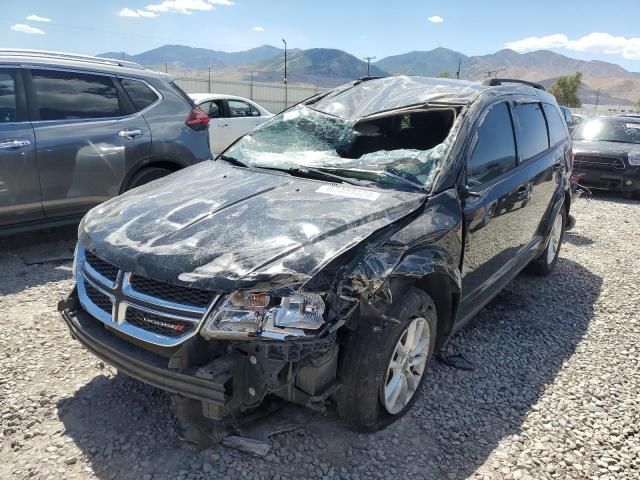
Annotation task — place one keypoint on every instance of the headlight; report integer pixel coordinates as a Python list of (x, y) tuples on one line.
[(634, 158), (248, 314)]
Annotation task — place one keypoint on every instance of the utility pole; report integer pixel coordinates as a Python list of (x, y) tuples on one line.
[(251, 91), (123, 54), (368, 59), (459, 65), (597, 98), (286, 99)]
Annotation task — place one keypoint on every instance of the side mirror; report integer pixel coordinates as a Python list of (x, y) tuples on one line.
[(467, 192)]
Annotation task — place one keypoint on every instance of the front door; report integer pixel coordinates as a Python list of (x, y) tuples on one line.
[(19, 184), (87, 137), (492, 208), (242, 118)]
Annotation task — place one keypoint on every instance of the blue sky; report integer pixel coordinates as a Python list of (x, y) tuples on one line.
[(581, 29)]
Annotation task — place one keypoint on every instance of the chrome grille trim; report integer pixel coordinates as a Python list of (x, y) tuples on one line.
[(123, 296)]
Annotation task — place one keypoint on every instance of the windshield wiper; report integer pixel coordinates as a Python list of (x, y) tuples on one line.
[(380, 172), (232, 161), (303, 171)]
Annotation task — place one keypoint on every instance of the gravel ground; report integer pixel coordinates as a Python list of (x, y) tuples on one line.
[(555, 392)]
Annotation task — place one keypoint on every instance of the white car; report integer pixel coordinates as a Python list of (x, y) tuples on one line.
[(230, 117)]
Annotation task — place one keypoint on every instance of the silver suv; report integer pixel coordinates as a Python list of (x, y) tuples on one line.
[(76, 131)]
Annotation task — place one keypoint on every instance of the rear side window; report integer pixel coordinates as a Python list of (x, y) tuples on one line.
[(182, 93), (71, 95), (533, 131), (141, 95), (557, 131), (8, 109), (495, 149)]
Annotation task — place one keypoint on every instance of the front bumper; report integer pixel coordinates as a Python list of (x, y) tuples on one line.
[(136, 362), (623, 180)]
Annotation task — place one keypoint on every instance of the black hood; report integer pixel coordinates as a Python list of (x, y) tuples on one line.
[(223, 228), (610, 149)]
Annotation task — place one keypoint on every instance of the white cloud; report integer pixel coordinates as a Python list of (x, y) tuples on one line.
[(127, 12), (185, 6), (36, 18), (258, 29), (21, 27), (436, 19), (596, 42)]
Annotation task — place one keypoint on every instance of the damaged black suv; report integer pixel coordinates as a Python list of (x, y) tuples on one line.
[(330, 253)]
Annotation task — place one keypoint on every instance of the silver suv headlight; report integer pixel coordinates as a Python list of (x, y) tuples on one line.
[(244, 314)]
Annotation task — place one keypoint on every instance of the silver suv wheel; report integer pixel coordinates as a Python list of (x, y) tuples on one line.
[(407, 365)]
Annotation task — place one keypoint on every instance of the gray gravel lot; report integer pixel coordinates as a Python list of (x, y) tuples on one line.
[(555, 392)]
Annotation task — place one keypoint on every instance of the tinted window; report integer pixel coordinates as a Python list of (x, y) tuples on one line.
[(238, 108), (7, 98), (557, 130), (495, 149), (69, 95), (139, 92), (533, 131)]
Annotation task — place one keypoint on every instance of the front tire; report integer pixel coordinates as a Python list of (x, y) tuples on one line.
[(544, 264), (383, 366)]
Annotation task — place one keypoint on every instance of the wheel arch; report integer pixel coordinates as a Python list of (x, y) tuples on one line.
[(446, 296), (156, 162)]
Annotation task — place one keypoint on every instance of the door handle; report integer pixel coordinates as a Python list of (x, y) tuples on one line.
[(14, 144), (130, 133)]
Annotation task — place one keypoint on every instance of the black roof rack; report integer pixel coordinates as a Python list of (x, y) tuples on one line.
[(494, 82), (366, 79)]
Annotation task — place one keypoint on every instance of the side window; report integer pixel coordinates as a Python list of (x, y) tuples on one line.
[(495, 149), (8, 108), (238, 108), (557, 131), (254, 111), (70, 95), (141, 95), (213, 108), (532, 128)]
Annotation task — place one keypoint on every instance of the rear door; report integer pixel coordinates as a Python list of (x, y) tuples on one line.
[(88, 136), (218, 124), (540, 166), (19, 184)]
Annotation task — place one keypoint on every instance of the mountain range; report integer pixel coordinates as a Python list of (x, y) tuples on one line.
[(330, 67)]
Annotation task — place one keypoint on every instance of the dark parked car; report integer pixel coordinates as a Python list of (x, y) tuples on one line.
[(607, 154), (572, 120), (330, 252), (76, 131)]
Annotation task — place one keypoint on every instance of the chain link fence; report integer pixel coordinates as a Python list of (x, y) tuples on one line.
[(275, 97)]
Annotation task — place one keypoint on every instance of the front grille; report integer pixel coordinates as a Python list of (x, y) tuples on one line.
[(152, 322), (166, 352), (171, 293), (103, 268), (99, 299), (598, 161)]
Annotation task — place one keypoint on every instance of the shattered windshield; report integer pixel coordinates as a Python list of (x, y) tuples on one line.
[(402, 149)]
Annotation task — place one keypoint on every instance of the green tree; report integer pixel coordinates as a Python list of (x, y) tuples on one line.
[(443, 74), (566, 90)]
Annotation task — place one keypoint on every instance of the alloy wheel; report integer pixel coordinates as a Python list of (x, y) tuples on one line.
[(407, 365)]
